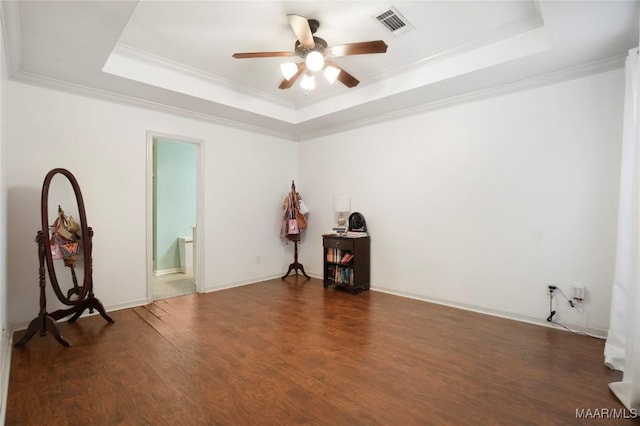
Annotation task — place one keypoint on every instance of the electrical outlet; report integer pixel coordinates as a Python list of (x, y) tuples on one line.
[(258, 259), (579, 291)]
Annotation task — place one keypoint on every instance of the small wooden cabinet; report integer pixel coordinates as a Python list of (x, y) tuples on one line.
[(346, 262)]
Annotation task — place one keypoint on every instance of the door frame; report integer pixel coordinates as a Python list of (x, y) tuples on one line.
[(198, 256)]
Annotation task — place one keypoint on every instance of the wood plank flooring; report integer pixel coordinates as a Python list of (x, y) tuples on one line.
[(291, 352)]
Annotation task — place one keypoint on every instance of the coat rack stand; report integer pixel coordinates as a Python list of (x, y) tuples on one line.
[(292, 200), (295, 266)]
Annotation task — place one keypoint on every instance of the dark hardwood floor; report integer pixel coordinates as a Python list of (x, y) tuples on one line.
[(291, 352)]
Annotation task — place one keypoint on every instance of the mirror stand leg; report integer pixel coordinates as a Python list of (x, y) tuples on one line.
[(91, 303), (53, 329), (95, 303), (34, 326), (43, 322)]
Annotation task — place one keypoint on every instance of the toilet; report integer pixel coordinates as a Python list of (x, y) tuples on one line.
[(185, 247)]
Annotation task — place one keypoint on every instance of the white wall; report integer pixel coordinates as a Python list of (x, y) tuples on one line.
[(105, 146), (482, 204), (477, 205), (5, 348)]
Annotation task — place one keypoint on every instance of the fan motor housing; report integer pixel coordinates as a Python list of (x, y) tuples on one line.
[(302, 51), (314, 24)]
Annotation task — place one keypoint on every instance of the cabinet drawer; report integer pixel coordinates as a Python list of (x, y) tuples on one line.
[(339, 243)]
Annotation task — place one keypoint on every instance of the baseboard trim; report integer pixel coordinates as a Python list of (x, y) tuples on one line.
[(159, 272), (593, 332), (5, 370), (238, 284), (111, 308), (125, 305)]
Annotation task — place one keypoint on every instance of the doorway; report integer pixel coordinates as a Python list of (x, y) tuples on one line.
[(175, 219)]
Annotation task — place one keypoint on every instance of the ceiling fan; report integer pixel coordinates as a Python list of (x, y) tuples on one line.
[(314, 52)]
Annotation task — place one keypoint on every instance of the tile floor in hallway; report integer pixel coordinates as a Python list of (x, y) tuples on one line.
[(172, 285)]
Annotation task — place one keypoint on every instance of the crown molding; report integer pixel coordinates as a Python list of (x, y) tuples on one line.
[(566, 74), (530, 23), (465, 46), (10, 18), (138, 55), (76, 89)]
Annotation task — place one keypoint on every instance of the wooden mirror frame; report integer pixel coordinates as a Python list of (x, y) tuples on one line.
[(46, 322), (85, 238)]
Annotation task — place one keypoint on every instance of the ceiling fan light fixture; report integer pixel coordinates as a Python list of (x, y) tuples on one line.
[(288, 69), (308, 82), (314, 61), (312, 50), (331, 73)]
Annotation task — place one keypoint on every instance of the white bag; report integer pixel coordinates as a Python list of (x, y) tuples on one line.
[(303, 207)]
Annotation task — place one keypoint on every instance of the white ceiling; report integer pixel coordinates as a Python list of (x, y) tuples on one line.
[(176, 55)]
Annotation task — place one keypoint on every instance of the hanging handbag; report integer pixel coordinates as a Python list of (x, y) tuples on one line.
[(56, 251), (65, 238), (303, 207), (293, 223), (300, 218), (293, 227), (302, 221)]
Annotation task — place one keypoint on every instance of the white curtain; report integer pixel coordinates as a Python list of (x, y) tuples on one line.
[(622, 349)]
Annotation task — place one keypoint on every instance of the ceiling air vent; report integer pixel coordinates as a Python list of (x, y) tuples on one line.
[(393, 21)]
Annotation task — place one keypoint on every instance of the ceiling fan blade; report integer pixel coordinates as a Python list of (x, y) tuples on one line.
[(344, 77), (362, 48), (300, 26), (288, 83), (262, 55)]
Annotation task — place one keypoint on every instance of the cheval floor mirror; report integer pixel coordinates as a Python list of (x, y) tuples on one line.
[(65, 249)]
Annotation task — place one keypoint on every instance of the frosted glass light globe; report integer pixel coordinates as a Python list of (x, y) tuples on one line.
[(288, 70), (314, 61), (308, 82), (331, 74)]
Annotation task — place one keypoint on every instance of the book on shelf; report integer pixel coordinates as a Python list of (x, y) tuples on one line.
[(334, 255), (339, 256), (331, 272), (342, 276), (346, 258)]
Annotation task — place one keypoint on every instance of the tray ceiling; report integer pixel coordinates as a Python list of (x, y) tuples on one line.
[(176, 55)]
